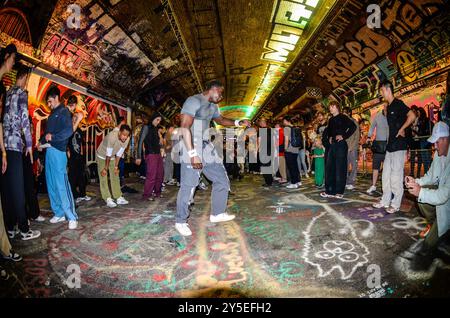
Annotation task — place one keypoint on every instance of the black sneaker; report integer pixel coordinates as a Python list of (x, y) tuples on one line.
[(13, 256)]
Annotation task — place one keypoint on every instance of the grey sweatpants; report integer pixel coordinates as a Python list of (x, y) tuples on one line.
[(216, 173)]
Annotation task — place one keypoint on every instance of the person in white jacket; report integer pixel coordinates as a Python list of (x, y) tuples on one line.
[(433, 189)]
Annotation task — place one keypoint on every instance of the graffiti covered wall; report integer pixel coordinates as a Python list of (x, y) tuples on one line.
[(99, 117), (99, 52)]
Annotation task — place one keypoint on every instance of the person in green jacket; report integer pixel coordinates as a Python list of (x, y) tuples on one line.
[(319, 162)]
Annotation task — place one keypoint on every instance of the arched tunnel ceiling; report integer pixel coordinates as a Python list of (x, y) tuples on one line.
[(269, 53)]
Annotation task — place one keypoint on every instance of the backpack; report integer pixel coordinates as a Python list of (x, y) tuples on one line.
[(296, 137)]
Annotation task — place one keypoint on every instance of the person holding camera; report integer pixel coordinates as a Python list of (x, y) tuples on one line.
[(433, 195), (380, 126)]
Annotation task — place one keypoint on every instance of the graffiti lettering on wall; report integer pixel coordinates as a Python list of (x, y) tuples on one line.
[(426, 52), (400, 19), (68, 57)]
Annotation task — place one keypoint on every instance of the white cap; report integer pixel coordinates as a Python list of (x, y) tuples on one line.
[(439, 130)]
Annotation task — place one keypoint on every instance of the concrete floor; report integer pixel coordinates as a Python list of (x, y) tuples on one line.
[(283, 243)]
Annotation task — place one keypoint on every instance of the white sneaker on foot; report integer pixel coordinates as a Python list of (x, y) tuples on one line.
[(110, 203), (379, 206), (299, 184), (78, 200), (87, 198), (350, 187), (56, 219), (223, 217), (183, 229), (292, 186), (30, 235), (371, 189), (122, 201), (40, 218), (12, 234), (392, 209), (73, 224)]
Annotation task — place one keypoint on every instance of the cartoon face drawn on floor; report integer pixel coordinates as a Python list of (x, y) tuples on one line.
[(344, 254)]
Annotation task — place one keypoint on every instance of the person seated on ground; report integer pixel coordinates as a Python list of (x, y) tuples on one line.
[(433, 192)]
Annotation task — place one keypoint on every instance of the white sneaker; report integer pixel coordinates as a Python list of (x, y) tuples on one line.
[(350, 187), (87, 198), (299, 184), (223, 217), (183, 229), (78, 200), (12, 234), (380, 206), (30, 235), (122, 201), (371, 189), (110, 203), (307, 176), (292, 186), (56, 219), (73, 224), (40, 218)]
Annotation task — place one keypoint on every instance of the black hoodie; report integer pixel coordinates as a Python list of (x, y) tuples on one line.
[(150, 138)]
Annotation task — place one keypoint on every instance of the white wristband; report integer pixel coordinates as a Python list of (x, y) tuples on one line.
[(236, 123), (192, 153)]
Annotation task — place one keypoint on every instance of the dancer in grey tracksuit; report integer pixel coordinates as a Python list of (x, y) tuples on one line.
[(199, 155)]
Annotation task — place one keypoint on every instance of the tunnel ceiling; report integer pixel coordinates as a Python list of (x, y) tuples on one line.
[(268, 53)]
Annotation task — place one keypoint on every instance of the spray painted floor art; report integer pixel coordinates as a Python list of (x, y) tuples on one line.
[(283, 243)]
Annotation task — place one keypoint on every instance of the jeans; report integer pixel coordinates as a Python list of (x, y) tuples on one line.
[(302, 161), (292, 166)]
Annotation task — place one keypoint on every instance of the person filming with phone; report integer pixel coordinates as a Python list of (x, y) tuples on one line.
[(433, 192)]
